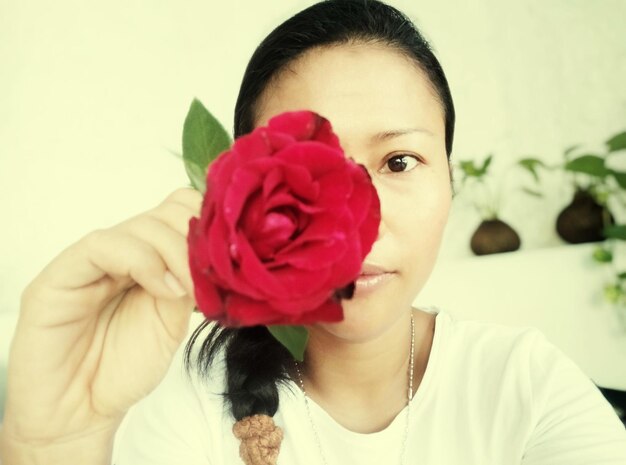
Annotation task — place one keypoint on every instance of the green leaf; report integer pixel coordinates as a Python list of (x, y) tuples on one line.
[(294, 338), (612, 293), (196, 175), (588, 164), (570, 150), (471, 170), (532, 192), (204, 138), (468, 167), (621, 276), (620, 177), (531, 165), (615, 231), (176, 154), (617, 142), (486, 164), (601, 255)]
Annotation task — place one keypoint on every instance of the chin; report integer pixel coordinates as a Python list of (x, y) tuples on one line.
[(364, 319)]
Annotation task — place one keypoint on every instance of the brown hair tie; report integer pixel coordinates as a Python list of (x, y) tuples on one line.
[(260, 439)]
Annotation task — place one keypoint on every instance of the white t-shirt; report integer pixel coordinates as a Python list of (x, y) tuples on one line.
[(491, 394)]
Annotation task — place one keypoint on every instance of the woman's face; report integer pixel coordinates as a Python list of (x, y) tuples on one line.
[(363, 91)]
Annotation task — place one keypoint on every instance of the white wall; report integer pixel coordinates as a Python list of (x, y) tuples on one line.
[(94, 94)]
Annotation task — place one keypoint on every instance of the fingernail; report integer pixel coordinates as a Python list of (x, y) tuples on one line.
[(174, 284)]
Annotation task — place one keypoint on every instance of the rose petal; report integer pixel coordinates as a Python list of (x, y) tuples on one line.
[(317, 157), (305, 125), (335, 188), (255, 144), (298, 283), (315, 255), (252, 219), (244, 183), (325, 134), (255, 272), (300, 124), (321, 227), (244, 311), (360, 197), (348, 268), (299, 180), (195, 242), (218, 249), (284, 198), (207, 297), (218, 171), (279, 140), (272, 180), (368, 230), (275, 232), (294, 306), (278, 225), (329, 312)]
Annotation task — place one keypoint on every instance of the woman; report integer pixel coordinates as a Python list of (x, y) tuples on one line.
[(99, 328)]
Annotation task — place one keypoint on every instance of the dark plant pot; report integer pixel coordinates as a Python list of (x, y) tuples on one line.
[(581, 221), (494, 236)]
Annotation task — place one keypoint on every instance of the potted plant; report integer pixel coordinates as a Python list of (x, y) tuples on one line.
[(493, 235), (588, 213)]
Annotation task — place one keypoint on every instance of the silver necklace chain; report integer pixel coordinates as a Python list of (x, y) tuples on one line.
[(409, 397)]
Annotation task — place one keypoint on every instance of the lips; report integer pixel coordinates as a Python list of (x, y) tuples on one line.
[(372, 278), (369, 269)]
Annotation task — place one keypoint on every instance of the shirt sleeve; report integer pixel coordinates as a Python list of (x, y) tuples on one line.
[(167, 427), (573, 422)]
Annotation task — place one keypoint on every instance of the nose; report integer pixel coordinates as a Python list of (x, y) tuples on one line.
[(382, 228)]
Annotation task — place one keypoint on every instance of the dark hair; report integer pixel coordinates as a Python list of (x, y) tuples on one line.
[(255, 361)]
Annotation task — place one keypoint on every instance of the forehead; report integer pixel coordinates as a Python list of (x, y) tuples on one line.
[(361, 89)]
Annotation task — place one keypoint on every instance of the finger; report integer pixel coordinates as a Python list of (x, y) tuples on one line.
[(187, 196), (175, 215), (169, 243), (122, 255)]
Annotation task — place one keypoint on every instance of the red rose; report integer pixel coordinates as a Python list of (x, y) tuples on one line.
[(286, 221)]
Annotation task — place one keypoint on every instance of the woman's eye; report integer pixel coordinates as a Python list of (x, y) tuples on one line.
[(401, 163)]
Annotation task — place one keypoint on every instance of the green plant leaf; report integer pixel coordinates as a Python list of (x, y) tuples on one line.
[(569, 150), (196, 175), (531, 165), (601, 255), (620, 177), (294, 338), (617, 142), (532, 192), (621, 276), (468, 167), (612, 293), (486, 164), (176, 154), (615, 231), (204, 138), (471, 170), (592, 165)]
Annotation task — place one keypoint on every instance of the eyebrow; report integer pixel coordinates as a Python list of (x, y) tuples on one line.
[(386, 135)]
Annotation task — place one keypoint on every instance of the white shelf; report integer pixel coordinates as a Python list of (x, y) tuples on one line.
[(557, 290)]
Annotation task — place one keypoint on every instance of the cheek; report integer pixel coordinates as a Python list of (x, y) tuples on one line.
[(418, 208)]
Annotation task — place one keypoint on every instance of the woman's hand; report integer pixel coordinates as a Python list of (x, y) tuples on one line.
[(98, 327)]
